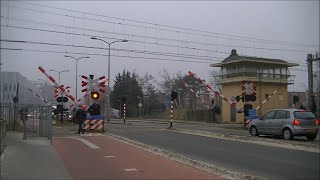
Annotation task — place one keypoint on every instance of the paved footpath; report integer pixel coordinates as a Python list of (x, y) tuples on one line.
[(33, 158), (102, 157)]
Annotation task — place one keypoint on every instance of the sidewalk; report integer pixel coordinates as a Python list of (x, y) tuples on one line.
[(33, 158)]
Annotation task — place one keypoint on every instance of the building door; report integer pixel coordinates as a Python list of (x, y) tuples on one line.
[(233, 113)]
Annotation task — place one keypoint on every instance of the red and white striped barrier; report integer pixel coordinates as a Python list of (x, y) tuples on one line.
[(247, 122), (263, 102), (195, 94), (79, 100), (60, 87), (209, 88), (93, 124), (38, 96)]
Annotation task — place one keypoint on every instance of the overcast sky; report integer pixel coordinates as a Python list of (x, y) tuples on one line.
[(292, 21)]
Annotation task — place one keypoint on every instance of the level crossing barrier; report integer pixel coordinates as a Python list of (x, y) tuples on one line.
[(94, 122)]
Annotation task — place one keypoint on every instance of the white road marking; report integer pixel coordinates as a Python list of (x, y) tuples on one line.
[(131, 169), (109, 156), (91, 145)]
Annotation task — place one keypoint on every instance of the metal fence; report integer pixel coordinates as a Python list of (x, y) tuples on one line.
[(31, 120), (201, 115)]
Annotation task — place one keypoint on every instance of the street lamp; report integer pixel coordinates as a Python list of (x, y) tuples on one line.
[(59, 72), (140, 105), (45, 86), (109, 44), (77, 59)]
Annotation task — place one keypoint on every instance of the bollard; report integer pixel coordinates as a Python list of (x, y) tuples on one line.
[(171, 113), (124, 113)]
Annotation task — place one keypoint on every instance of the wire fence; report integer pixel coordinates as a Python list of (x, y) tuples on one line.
[(33, 121)]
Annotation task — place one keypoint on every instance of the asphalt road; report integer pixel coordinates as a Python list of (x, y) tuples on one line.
[(230, 129), (263, 161)]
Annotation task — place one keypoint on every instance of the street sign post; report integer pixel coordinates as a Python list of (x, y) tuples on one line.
[(166, 103)]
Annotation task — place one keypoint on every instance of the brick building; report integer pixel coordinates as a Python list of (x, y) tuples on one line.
[(268, 74)]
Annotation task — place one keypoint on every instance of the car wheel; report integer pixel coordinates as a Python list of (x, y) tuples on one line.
[(311, 137), (254, 131), (287, 134)]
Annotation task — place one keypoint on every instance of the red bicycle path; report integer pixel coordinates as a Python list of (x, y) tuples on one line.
[(83, 162)]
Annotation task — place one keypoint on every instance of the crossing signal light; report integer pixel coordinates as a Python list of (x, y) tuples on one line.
[(62, 99), (251, 97), (94, 109), (238, 98), (83, 83), (174, 95), (95, 95)]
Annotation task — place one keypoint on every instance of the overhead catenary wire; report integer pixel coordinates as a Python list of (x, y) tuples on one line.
[(99, 31), (124, 50), (155, 53), (243, 38), (80, 34), (98, 54), (155, 38)]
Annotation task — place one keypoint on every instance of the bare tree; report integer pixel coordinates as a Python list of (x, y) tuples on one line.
[(166, 82), (147, 82), (215, 79)]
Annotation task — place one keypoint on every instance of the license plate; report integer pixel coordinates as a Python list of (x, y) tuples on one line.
[(310, 130)]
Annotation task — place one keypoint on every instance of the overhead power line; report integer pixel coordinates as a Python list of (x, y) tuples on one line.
[(150, 37), (81, 34), (114, 49), (111, 38), (98, 54), (176, 27)]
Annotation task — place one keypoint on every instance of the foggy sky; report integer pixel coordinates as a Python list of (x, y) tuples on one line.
[(293, 21)]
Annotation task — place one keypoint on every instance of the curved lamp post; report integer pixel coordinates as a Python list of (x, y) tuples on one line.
[(109, 44)]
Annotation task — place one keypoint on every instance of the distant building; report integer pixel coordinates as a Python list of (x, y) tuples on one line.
[(268, 74), (9, 85), (46, 90)]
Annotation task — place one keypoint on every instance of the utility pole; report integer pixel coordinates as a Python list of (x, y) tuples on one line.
[(310, 81), (311, 99), (318, 87)]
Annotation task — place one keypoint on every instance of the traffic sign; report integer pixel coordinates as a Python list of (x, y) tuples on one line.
[(252, 112), (166, 103), (140, 105)]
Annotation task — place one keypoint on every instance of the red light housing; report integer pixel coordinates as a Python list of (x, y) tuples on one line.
[(317, 122), (296, 122)]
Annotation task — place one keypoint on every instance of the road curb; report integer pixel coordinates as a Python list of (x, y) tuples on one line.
[(208, 167), (249, 139)]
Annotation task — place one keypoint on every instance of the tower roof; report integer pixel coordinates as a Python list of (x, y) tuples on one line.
[(235, 58)]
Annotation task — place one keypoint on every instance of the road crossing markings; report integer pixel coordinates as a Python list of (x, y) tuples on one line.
[(91, 145), (109, 156), (131, 169)]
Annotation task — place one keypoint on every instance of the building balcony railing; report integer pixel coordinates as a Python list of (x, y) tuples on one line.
[(248, 76)]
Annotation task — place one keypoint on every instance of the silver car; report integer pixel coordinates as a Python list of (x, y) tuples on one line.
[(287, 123)]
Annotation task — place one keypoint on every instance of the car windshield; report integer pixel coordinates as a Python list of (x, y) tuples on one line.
[(304, 115)]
